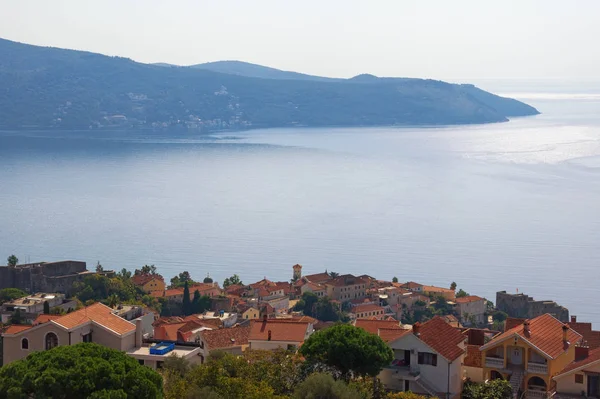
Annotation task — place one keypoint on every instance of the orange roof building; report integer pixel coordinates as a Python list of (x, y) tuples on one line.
[(272, 334)]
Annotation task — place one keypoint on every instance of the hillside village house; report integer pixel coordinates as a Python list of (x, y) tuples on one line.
[(31, 306), (412, 286), (446, 293), (96, 323), (231, 340), (271, 334), (581, 378), (471, 310), (530, 353), (148, 282), (368, 310), (428, 359), (346, 287)]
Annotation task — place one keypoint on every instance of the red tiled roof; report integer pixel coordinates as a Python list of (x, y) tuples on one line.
[(593, 356), (473, 356), (44, 318), (16, 328), (291, 331), (591, 337), (441, 337), (226, 337), (167, 332), (346, 279), (512, 322), (318, 278), (545, 333), (433, 288), (469, 298), (373, 326), (99, 314), (410, 285), (391, 334)]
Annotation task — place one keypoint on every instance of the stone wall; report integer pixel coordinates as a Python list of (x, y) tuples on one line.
[(524, 306), (43, 277)]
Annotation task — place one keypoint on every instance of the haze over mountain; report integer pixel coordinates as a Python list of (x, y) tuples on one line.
[(55, 88)]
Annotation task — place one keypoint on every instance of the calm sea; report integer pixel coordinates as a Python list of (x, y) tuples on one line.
[(512, 206)]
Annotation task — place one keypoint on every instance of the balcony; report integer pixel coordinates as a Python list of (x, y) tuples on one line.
[(494, 362), (537, 394), (405, 372), (537, 368)]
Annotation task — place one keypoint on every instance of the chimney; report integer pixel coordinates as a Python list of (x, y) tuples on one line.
[(526, 328), (565, 329), (573, 319), (416, 328), (269, 336), (139, 333), (581, 352)]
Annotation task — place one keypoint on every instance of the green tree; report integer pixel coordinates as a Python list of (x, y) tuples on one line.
[(453, 286), (334, 274), (9, 294), (113, 300), (99, 267), (349, 349), (187, 305), (176, 364), (395, 279), (233, 280), (146, 269), (46, 307), (306, 304), (200, 303), (79, 371), (17, 317), (462, 293), (124, 274), (494, 389), (12, 261), (321, 385), (179, 280), (325, 310)]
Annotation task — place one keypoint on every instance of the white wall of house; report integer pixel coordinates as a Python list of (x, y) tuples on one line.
[(567, 384), (272, 345), (435, 376)]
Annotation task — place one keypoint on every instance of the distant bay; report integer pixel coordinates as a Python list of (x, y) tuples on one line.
[(493, 207)]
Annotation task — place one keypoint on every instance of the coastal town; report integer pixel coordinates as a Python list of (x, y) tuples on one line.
[(441, 337)]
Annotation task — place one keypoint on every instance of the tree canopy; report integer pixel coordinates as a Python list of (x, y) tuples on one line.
[(9, 294), (235, 279), (79, 371), (321, 385), (349, 349), (494, 389), (12, 261), (180, 280)]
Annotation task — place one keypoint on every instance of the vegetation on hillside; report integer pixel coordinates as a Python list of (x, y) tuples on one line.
[(80, 371), (55, 88)]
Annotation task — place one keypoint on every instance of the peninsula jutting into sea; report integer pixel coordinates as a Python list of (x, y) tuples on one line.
[(51, 88)]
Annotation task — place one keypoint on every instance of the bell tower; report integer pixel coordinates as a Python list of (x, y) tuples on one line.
[(297, 272)]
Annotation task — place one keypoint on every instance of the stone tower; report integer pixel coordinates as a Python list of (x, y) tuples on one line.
[(297, 272)]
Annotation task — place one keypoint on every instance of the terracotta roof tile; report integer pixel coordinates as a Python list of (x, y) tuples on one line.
[(373, 326), (318, 278), (346, 279), (99, 314), (167, 332), (442, 337), (16, 328), (391, 334), (411, 285), (512, 322), (141, 279), (469, 298), (545, 333), (44, 318), (593, 356), (226, 337), (280, 330)]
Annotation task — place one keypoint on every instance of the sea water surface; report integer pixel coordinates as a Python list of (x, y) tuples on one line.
[(511, 206)]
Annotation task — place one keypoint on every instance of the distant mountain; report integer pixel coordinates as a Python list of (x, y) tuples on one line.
[(43, 87), (257, 71)]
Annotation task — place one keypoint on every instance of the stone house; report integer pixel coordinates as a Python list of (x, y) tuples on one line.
[(471, 309), (271, 334), (346, 287), (148, 282)]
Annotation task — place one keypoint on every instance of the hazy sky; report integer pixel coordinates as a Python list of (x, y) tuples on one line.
[(341, 38)]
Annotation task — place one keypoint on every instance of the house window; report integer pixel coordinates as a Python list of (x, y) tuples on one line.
[(578, 378), (159, 365), (87, 337), (428, 358), (51, 340), (141, 361), (24, 343)]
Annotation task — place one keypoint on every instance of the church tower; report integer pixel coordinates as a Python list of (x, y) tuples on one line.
[(297, 272)]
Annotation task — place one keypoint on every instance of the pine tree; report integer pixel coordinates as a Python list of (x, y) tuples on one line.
[(187, 306)]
